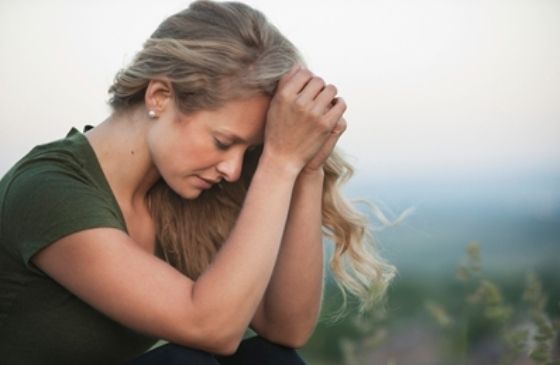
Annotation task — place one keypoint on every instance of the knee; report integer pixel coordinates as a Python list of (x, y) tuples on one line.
[(180, 355), (269, 350)]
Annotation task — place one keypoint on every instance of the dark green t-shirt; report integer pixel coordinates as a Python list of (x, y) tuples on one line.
[(56, 189)]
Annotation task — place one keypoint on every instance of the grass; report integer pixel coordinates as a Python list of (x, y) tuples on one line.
[(462, 317)]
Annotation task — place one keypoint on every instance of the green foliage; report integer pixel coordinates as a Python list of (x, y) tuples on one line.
[(438, 312), (471, 319), (526, 329), (372, 335), (546, 330)]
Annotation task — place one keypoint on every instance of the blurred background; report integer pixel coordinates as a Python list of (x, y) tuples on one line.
[(454, 118)]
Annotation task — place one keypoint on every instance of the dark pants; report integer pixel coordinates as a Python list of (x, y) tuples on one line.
[(253, 351)]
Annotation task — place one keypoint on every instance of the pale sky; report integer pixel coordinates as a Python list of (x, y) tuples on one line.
[(430, 84)]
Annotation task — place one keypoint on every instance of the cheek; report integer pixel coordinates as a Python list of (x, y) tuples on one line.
[(163, 151), (179, 152)]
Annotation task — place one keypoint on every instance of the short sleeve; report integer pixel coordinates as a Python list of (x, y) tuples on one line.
[(41, 206)]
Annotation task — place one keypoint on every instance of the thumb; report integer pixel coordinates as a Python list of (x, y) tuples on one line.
[(339, 127)]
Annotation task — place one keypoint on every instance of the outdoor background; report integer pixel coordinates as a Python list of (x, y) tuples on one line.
[(454, 119)]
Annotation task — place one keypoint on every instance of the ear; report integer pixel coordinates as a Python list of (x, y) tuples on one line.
[(159, 95)]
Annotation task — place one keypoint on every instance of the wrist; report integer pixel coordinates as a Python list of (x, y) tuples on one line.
[(273, 163), (313, 178), (310, 181), (316, 174)]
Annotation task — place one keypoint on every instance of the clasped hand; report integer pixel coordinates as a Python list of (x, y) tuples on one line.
[(304, 120)]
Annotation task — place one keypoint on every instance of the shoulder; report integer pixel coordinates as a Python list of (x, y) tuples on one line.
[(53, 191), (51, 177)]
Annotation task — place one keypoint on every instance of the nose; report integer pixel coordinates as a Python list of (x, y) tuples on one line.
[(230, 167)]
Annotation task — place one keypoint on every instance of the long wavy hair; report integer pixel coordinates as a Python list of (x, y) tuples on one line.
[(214, 52)]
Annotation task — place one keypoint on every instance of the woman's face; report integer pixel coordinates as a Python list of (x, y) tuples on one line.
[(193, 152)]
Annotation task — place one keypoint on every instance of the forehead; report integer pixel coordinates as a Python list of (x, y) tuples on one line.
[(242, 120)]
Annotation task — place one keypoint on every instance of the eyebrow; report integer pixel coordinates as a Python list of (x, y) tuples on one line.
[(235, 138)]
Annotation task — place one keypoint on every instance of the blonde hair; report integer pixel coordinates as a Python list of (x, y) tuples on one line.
[(211, 53)]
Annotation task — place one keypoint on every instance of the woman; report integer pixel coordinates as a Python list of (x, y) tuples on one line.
[(192, 212)]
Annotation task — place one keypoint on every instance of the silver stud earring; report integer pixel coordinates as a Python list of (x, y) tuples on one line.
[(152, 114)]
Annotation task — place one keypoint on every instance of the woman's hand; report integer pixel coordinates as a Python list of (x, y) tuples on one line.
[(319, 159), (303, 121)]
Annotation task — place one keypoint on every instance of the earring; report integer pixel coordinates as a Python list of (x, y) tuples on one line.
[(152, 114)]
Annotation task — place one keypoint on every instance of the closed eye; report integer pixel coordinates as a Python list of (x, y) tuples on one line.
[(220, 145)]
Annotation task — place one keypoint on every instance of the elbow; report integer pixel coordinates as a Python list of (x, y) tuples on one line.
[(220, 340), (291, 339), (209, 336), (293, 342), (298, 342), (226, 345)]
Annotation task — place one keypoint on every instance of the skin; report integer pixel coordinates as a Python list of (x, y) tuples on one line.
[(267, 275)]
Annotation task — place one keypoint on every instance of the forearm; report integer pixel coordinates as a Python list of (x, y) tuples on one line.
[(231, 289), (301, 128), (293, 299)]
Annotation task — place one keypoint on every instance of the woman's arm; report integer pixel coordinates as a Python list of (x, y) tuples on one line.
[(292, 302), (291, 305), (108, 270), (105, 268)]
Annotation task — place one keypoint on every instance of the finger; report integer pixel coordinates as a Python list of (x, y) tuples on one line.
[(331, 143), (311, 90), (333, 137), (340, 127), (297, 82), (334, 114), (288, 75), (325, 150), (325, 99)]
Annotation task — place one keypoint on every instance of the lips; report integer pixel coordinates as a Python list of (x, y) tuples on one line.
[(209, 181), (206, 183)]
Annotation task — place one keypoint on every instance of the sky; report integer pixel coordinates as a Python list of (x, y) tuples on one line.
[(433, 86)]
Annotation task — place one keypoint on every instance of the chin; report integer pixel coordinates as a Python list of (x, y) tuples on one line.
[(186, 192), (189, 194)]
